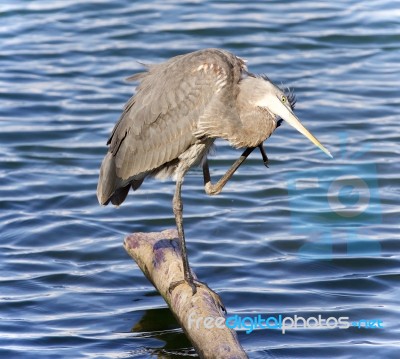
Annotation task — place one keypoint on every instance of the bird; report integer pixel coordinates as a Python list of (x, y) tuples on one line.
[(180, 108)]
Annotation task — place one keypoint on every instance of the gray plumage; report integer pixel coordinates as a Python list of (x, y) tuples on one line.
[(181, 106)]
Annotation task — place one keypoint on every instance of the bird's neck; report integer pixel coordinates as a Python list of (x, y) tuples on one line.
[(257, 124)]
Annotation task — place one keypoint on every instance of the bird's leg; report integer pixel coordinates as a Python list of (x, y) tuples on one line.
[(178, 212), (263, 154), (212, 189), (178, 208)]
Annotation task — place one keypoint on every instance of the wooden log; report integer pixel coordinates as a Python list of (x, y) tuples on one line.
[(158, 256)]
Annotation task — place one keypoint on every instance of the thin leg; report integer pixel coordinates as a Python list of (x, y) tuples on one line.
[(212, 189), (263, 154), (178, 208)]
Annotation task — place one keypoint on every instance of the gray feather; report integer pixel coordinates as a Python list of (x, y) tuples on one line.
[(179, 108), (161, 121)]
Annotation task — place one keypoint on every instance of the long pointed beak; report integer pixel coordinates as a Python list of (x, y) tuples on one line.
[(288, 115)]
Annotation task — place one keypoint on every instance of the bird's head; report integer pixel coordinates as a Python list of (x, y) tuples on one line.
[(269, 97)]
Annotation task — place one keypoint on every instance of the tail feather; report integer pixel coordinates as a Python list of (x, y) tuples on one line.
[(137, 183), (107, 180), (110, 187), (119, 195)]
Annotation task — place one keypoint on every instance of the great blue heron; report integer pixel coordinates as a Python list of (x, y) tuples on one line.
[(181, 106)]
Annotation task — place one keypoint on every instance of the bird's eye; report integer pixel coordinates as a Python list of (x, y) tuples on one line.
[(283, 99)]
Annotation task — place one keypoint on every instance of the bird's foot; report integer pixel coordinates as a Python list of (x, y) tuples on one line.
[(264, 155), (190, 281), (194, 284)]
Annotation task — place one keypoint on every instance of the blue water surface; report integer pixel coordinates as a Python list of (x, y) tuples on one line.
[(307, 236)]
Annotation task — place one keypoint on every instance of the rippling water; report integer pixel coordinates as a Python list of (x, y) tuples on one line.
[(307, 236)]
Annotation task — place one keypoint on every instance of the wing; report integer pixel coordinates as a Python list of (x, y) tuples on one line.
[(162, 120)]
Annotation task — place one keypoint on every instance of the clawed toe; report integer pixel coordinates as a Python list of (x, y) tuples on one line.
[(264, 155), (194, 284)]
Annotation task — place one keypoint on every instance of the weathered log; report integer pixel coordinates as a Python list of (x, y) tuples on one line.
[(158, 256)]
